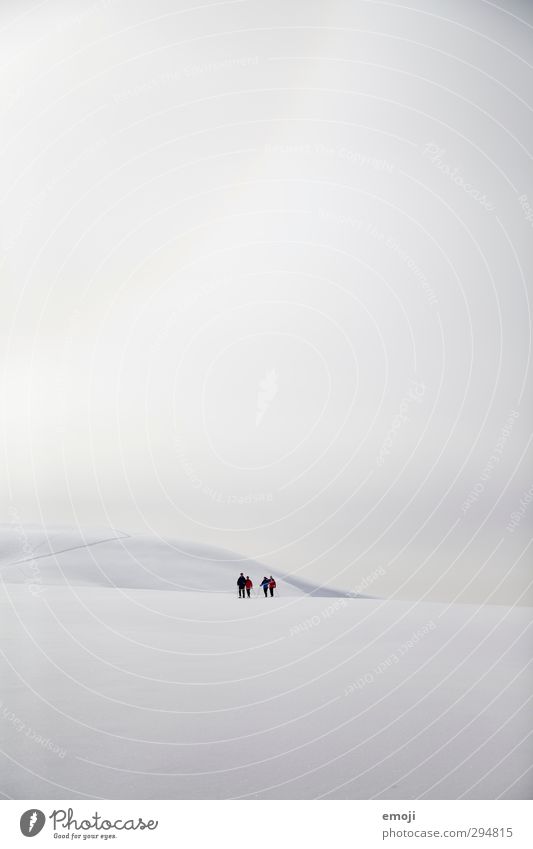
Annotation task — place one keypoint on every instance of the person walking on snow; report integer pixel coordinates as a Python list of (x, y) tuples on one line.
[(264, 584), (271, 586), (248, 585), (241, 583)]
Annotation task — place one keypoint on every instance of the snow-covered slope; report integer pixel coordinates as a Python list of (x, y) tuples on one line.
[(108, 558), (116, 684)]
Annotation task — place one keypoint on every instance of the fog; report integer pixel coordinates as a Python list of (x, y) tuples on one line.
[(264, 283)]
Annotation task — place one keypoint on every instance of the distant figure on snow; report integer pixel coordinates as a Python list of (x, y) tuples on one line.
[(264, 584), (241, 583), (271, 586), (248, 585)]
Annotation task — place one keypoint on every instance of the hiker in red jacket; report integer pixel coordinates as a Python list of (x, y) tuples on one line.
[(248, 585), (271, 585)]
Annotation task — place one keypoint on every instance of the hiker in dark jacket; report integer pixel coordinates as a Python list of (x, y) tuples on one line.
[(271, 585), (264, 584), (241, 583), (248, 585)]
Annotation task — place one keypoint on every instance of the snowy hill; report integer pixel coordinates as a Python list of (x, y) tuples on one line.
[(108, 558), (120, 681)]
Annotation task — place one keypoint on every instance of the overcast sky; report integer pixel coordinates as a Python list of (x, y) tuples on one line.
[(264, 282)]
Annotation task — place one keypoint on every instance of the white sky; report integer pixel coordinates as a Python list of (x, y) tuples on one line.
[(232, 257)]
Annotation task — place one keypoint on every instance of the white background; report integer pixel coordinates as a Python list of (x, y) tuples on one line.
[(196, 197)]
